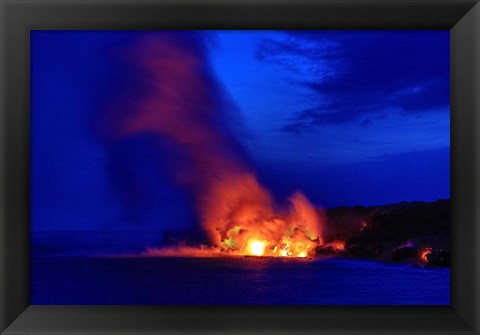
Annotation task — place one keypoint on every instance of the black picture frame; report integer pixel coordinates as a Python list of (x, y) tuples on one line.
[(18, 17)]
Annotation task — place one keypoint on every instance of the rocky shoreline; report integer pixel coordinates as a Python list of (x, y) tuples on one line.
[(407, 232)]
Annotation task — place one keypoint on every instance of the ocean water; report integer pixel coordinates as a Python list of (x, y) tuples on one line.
[(233, 281)]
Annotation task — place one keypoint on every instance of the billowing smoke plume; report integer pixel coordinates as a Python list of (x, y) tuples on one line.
[(176, 98)]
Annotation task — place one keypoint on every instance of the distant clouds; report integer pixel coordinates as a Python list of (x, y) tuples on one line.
[(359, 77)]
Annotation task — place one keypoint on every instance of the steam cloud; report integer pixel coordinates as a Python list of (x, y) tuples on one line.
[(174, 96)]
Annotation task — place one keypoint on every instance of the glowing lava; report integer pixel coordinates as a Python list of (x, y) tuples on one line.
[(423, 254), (302, 254), (256, 248), (252, 216), (336, 245)]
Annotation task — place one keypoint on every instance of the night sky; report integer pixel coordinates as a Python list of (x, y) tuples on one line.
[(347, 117)]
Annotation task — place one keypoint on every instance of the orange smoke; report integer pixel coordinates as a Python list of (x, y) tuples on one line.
[(183, 104)]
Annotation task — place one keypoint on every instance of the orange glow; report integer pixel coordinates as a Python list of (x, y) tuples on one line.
[(423, 254), (237, 213), (180, 251), (256, 248), (336, 245), (302, 254), (241, 212)]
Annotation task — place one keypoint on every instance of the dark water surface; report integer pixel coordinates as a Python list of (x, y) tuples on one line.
[(234, 281)]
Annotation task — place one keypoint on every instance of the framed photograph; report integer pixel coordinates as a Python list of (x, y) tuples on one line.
[(240, 167)]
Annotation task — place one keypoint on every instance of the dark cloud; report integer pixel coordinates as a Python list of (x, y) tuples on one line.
[(358, 74), (330, 114)]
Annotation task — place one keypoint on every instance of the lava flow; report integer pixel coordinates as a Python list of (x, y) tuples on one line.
[(423, 254), (182, 104)]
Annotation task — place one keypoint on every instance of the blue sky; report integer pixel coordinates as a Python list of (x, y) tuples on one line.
[(347, 117), (360, 95)]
